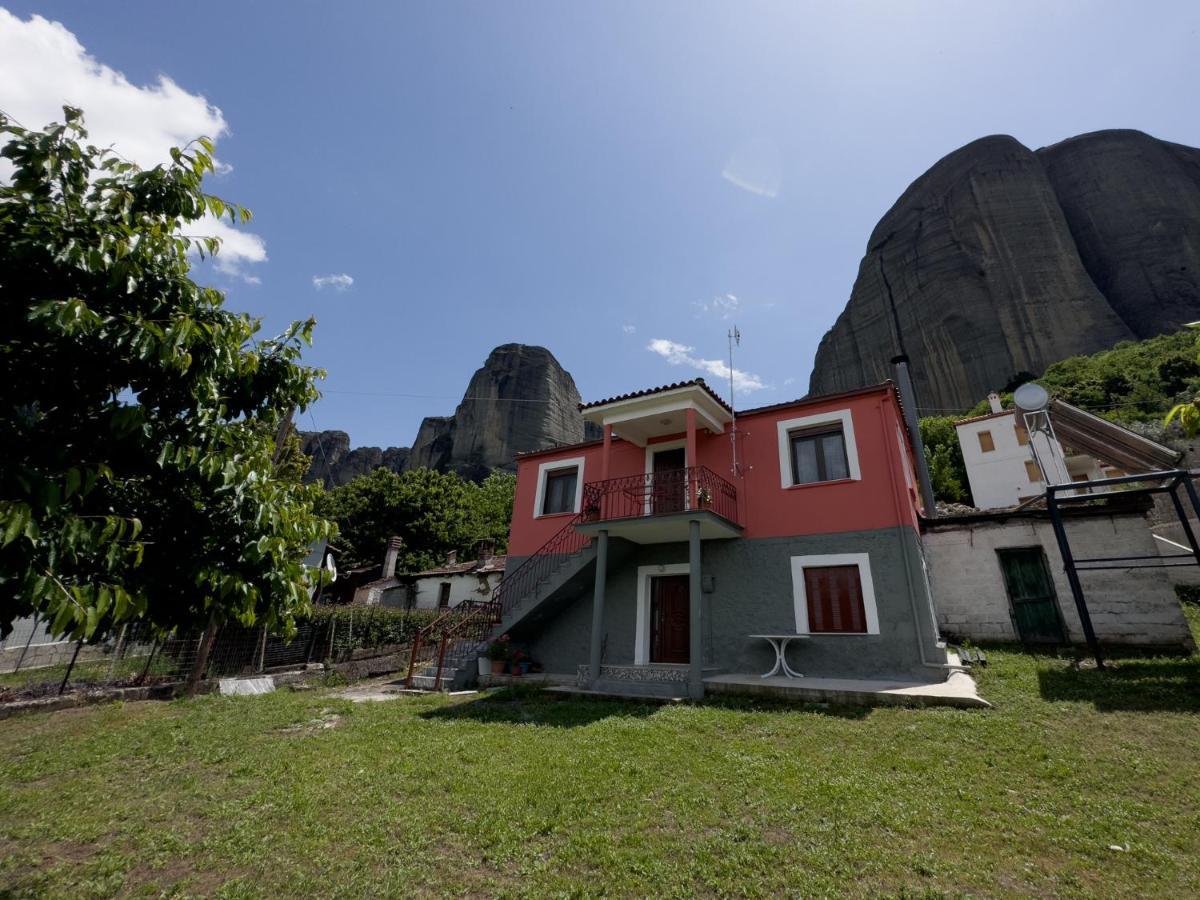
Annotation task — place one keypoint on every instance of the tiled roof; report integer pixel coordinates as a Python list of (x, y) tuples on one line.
[(695, 382), (554, 448), (820, 398), (470, 567), (991, 415)]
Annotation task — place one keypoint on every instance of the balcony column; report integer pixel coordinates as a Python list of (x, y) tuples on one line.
[(691, 462), (695, 644), (604, 452), (598, 605)]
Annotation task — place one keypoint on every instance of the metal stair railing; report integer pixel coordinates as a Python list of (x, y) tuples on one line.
[(462, 629)]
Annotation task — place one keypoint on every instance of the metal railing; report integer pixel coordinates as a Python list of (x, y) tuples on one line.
[(461, 630), (659, 493)]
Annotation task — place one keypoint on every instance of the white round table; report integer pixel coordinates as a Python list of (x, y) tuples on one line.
[(779, 643)]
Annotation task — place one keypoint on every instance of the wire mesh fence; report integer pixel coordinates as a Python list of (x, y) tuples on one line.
[(35, 663)]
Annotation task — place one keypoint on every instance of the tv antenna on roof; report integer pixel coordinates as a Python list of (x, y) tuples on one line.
[(735, 337)]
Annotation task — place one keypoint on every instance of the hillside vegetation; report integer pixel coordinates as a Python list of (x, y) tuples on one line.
[(1134, 384)]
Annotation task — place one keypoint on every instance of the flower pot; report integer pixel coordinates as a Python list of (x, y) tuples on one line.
[(524, 666), (516, 668), (485, 666), (497, 666)]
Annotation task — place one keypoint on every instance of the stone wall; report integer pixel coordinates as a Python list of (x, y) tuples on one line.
[(1127, 607)]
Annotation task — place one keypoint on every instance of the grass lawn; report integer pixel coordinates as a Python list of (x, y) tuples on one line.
[(306, 794)]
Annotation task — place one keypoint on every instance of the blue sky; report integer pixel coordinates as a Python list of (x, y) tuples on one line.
[(619, 182)]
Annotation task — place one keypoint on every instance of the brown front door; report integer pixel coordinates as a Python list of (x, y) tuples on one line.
[(669, 638), (669, 480)]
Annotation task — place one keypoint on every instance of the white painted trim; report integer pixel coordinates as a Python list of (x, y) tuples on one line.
[(651, 449), (837, 416), (553, 465), (641, 638), (800, 597)]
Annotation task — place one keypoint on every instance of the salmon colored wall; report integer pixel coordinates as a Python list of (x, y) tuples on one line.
[(881, 498)]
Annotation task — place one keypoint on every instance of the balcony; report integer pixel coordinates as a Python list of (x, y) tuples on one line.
[(656, 507)]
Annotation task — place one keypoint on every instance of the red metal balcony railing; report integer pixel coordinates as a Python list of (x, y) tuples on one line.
[(659, 493)]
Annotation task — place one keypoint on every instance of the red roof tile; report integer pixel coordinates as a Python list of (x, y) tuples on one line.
[(695, 382)]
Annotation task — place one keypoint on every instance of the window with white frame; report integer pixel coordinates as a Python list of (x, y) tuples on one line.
[(834, 594), (560, 487), (818, 448)]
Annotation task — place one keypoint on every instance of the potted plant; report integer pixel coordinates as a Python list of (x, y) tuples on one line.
[(518, 662), (703, 497), (498, 652)]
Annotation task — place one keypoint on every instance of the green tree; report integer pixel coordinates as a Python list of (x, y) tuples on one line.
[(425, 508), (489, 510), (947, 470), (138, 416)]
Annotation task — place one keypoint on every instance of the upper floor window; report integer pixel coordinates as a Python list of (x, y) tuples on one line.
[(560, 487), (560, 491), (819, 454), (818, 448), (986, 444), (443, 595)]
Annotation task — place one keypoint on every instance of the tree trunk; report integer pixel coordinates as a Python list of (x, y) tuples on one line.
[(206, 644)]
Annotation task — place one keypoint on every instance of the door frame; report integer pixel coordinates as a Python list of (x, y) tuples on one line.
[(641, 640), (1012, 609), (651, 449)]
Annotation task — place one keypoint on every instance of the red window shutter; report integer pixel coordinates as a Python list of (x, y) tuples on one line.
[(835, 600)]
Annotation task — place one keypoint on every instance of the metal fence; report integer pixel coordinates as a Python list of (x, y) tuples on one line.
[(34, 663)]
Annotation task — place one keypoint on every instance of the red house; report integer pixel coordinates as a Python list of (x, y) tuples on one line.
[(690, 548)]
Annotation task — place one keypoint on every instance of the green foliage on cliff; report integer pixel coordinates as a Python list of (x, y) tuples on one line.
[(1135, 381), (138, 416), (433, 512)]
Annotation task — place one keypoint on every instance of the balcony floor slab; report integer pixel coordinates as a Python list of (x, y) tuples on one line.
[(664, 528)]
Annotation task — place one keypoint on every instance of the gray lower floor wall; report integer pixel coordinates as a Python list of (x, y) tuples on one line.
[(750, 590), (1127, 606)]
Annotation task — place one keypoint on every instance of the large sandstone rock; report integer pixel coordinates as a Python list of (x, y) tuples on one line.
[(999, 261), (521, 399), (334, 463), (1133, 206)]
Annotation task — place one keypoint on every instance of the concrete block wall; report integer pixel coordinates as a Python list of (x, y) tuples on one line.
[(1127, 606)]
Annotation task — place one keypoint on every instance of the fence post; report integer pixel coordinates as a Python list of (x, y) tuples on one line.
[(332, 629), (149, 659), (74, 656), (28, 641), (262, 649)]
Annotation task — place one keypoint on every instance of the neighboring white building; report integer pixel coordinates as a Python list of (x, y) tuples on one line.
[(1001, 466), (453, 582)]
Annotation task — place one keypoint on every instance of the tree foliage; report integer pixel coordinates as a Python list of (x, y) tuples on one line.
[(947, 470), (431, 511), (1135, 381), (138, 415)]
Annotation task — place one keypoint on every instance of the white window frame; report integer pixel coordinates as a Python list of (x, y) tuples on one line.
[(785, 427), (555, 465), (641, 638), (800, 595)]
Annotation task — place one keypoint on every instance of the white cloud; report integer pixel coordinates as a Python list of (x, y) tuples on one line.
[(789, 380), (251, 279), (723, 305), (629, 329), (757, 167), (339, 283), (682, 355), (43, 66)]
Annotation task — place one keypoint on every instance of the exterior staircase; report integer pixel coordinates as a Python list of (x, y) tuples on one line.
[(444, 652)]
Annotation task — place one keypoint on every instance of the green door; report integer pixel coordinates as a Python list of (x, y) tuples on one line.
[(1034, 606)]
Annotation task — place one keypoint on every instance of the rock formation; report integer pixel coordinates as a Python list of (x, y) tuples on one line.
[(999, 261), (334, 463), (521, 399)]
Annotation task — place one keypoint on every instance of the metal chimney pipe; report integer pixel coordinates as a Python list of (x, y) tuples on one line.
[(908, 399)]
